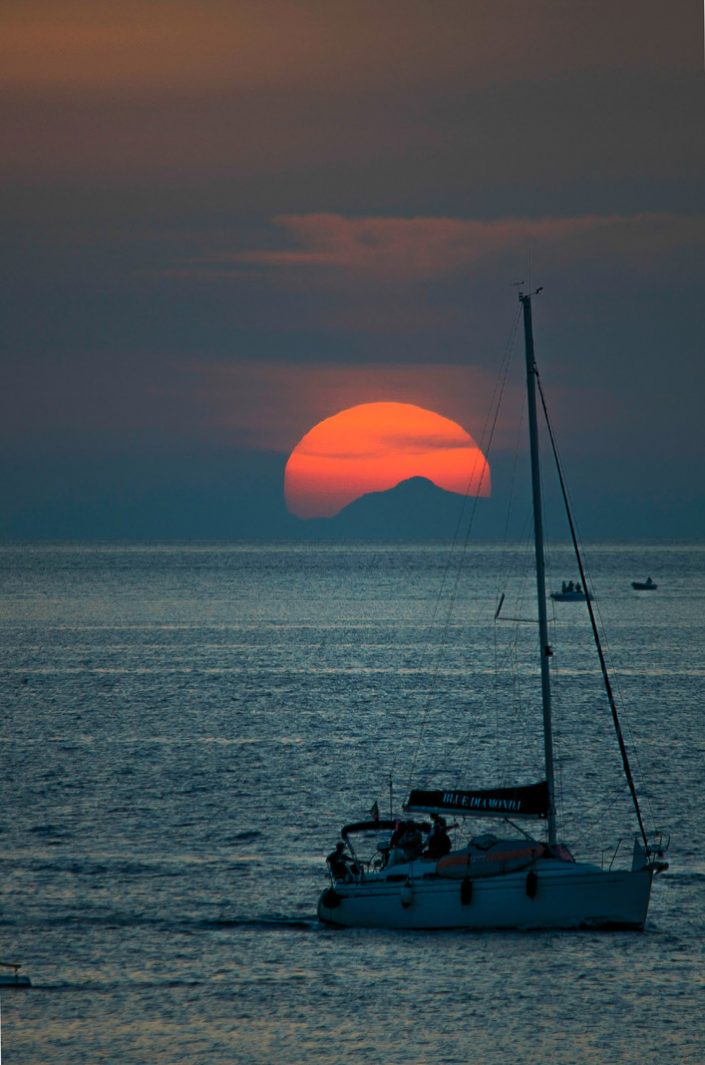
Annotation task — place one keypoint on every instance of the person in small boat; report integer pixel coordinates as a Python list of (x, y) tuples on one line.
[(438, 839), (339, 862)]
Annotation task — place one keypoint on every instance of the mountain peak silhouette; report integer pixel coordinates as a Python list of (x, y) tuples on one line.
[(415, 509)]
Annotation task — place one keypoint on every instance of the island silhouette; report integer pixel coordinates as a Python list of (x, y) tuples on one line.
[(415, 509)]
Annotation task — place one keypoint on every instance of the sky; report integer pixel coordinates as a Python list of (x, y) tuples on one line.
[(223, 222)]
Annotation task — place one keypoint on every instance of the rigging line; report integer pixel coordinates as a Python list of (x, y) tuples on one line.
[(507, 567), (502, 575), (503, 578), (445, 579), (593, 621), (616, 685), (499, 393), (436, 609), (646, 798), (605, 804), (509, 563), (506, 668), (441, 648), (486, 440), (508, 660)]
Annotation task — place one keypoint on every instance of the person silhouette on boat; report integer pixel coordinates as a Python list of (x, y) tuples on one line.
[(406, 843), (438, 839), (339, 862)]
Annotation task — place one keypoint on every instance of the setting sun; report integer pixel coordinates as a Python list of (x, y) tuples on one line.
[(375, 446)]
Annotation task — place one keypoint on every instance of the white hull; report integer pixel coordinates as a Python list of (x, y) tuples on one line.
[(567, 895)]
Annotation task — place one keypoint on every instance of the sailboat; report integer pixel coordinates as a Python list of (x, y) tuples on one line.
[(521, 879)]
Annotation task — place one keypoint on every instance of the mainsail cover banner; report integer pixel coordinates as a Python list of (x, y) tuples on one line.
[(528, 801)]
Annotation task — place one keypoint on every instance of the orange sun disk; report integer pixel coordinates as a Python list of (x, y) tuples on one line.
[(374, 446)]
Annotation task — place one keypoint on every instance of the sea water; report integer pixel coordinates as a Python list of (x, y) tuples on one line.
[(185, 728)]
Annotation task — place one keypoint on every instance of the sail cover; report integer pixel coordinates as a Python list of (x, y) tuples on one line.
[(528, 801)]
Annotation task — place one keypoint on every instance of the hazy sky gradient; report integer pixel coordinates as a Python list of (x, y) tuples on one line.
[(223, 222)]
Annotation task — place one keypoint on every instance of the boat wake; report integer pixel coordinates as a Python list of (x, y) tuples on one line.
[(265, 923)]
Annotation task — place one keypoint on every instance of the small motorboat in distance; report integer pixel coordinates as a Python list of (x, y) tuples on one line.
[(644, 586), (13, 979), (570, 593)]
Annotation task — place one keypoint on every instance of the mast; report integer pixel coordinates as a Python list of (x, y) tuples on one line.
[(545, 652)]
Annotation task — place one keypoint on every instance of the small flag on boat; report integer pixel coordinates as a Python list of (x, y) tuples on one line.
[(374, 812)]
